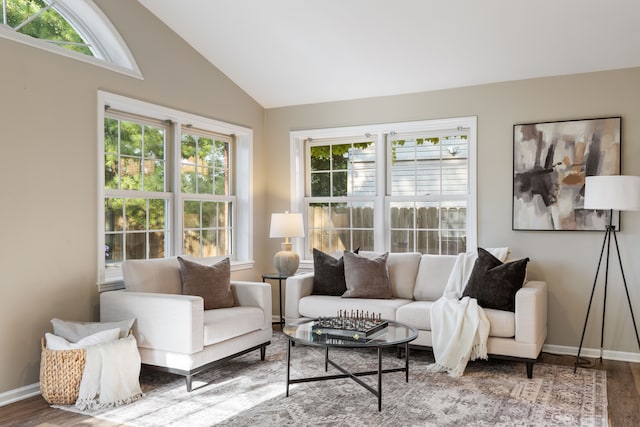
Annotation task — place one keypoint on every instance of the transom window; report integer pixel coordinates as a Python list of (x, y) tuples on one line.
[(41, 20), (400, 187), (74, 28), (169, 186)]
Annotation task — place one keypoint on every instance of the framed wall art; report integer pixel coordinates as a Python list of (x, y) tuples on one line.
[(550, 163)]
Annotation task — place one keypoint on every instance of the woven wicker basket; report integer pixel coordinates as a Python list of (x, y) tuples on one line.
[(60, 374)]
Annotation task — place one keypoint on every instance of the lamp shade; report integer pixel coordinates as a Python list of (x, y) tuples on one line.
[(286, 225), (617, 192)]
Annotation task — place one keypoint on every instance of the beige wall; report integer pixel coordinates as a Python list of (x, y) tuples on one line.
[(48, 170), (566, 260)]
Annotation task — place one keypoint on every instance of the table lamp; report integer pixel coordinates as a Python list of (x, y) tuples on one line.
[(286, 225)]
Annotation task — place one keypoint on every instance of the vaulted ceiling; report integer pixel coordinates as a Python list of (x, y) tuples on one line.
[(290, 52)]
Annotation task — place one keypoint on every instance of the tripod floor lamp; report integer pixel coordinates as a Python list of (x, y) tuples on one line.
[(613, 192)]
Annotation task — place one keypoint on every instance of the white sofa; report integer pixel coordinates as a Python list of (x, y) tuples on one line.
[(174, 332), (416, 282)]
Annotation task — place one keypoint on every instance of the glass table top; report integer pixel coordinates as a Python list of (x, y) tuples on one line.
[(311, 332)]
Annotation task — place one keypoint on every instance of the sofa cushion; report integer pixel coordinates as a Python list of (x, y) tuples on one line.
[(160, 275), (493, 283), (418, 314), (403, 269), (212, 283), (366, 278), (224, 323), (314, 306), (432, 277), (328, 274)]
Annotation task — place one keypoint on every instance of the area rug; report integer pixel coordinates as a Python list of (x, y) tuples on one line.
[(248, 392)]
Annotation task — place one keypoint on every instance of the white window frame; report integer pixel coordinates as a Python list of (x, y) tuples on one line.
[(243, 161), (378, 131), (109, 49), (205, 197)]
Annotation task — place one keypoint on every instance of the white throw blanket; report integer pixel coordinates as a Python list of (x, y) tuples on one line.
[(111, 375), (459, 327)]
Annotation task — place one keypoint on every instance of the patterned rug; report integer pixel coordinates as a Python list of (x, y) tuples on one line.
[(248, 392)]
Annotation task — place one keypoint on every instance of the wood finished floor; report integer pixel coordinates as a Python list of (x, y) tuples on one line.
[(623, 391)]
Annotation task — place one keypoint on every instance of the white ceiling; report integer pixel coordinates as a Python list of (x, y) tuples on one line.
[(290, 52)]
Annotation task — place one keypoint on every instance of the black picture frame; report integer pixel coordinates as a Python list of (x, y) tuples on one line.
[(550, 163)]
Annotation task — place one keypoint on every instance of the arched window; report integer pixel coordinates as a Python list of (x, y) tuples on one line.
[(74, 28)]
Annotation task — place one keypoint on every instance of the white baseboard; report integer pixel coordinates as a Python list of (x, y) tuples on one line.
[(19, 394), (622, 356)]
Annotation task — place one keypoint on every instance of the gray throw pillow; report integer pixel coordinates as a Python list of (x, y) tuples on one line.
[(212, 283), (493, 283), (75, 331), (366, 278)]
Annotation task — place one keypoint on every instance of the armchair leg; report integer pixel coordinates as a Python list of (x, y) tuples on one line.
[(263, 352), (529, 369), (187, 379)]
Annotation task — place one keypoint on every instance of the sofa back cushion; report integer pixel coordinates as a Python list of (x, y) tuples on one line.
[(160, 275), (433, 274), (403, 269)]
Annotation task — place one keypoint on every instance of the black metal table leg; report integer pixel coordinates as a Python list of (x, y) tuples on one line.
[(379, 379), (326, 359), (406, 360), (288, 364)]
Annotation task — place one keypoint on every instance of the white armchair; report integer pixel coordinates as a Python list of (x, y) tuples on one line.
[(174, 332)]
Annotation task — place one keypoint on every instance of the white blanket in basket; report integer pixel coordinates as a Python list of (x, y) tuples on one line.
[(111, 375)]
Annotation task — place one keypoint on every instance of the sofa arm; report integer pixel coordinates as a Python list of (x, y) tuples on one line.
[(296, 288), (531, 312), (253, 294), (166, 322)]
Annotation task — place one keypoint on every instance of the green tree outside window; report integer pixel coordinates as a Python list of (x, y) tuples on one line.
[(40, 20)]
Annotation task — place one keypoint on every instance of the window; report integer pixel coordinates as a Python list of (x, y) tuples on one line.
[(341, 189), (428, 191), (208, 202), (74, 28), (400, 187), (136, 200), (169, 186)]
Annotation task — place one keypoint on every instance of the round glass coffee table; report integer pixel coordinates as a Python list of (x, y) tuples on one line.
[(308, 332)]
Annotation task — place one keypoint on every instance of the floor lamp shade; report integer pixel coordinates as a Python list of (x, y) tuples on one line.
[(612, 192), (286, 225)]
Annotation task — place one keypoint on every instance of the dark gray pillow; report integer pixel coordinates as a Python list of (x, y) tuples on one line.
[(328, 274), (212, 283), (366, 278), (493, 283)]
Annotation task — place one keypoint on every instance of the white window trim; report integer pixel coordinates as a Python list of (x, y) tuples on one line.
[(377, 131), (243, 160), (110, 50)]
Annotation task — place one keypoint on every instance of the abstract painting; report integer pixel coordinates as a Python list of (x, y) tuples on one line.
[(550, 163)]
